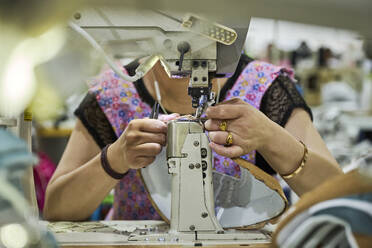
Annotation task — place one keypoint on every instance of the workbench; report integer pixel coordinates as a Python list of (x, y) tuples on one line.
[(115, 234)]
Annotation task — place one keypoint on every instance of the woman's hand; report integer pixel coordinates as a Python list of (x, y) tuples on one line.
[(139, 144), (249, 127)]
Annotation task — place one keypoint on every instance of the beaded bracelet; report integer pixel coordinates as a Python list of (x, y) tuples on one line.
[(107, 167)]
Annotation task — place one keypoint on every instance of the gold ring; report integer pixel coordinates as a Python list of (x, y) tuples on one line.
[(223, 126), (229, 139)]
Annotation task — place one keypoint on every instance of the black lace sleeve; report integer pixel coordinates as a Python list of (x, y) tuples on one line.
[(95, 121), (279, 101)]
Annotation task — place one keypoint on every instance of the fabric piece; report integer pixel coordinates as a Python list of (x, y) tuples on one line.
[(353, 183), (359, 221), (120, 102), (43, 172), (317, 231), (15, 160), (268, 180), (254, 198), (14, 153)]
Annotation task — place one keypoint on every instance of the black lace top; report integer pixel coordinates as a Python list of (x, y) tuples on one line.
[(280, 99)]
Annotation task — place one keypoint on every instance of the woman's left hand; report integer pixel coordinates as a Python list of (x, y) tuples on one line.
[(249, 127)]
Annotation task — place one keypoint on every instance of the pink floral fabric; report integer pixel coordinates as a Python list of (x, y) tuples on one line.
[(121, 103), (250, 86), (43, 172)]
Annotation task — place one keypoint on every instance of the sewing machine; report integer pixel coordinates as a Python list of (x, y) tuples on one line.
[(201, 49)]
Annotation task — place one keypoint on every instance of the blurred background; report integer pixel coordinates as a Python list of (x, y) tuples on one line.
[(334, 75)]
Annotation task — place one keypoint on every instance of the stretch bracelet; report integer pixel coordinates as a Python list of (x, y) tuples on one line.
[(107, 167), (302, 164)]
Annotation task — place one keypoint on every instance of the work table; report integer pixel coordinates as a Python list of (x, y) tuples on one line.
[(115, 234)]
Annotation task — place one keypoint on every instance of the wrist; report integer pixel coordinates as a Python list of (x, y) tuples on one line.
[(115, 159), (281, 150), (271, 134)]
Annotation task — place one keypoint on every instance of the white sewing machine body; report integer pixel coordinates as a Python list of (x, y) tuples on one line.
[(183, 192)]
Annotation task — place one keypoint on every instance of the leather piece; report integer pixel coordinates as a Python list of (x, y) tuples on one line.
[(268, 180), (258, 174), (352, 183)]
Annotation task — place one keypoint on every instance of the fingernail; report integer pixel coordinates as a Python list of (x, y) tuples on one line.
[(161, 124), (171, 116)]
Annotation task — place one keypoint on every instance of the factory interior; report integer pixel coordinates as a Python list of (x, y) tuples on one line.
[(185, 123)]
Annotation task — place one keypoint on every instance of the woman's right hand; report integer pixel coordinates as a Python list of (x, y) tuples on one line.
[(139, 144)]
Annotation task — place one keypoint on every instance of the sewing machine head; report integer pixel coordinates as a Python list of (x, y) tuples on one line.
[(192, 46)]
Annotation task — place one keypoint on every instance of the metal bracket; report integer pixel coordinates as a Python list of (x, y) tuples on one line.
[(199, 82)]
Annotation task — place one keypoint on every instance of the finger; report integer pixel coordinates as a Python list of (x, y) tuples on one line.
[(229, 151), (224, 112), (232, 101), (148, 125), (141, 162), (148, 149), (219, 137), (166, 118), (135, 137), (145, 137), (214, 125)]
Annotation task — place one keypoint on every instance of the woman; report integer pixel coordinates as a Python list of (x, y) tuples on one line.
[(262, 116)]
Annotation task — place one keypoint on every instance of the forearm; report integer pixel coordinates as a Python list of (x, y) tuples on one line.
[(75, 195), (284, 153)]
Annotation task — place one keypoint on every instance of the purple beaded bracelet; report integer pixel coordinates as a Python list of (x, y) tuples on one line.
[(107, 167)]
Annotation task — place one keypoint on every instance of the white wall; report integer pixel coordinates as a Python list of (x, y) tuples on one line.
[(288, 35)]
